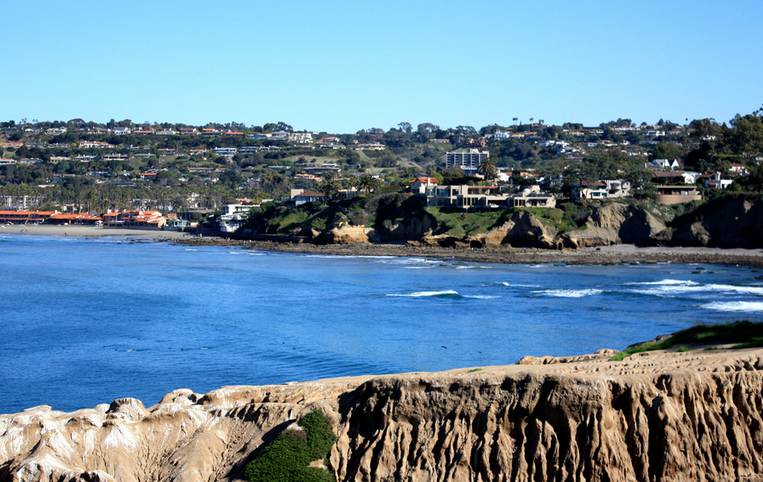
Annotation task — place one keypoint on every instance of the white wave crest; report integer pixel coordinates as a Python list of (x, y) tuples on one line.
[(569, 293), (426, 294), (735, 306), (666, 282), (674, 287), (518, 285)]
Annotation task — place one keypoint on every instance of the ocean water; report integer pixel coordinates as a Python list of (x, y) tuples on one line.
[(84, 321)]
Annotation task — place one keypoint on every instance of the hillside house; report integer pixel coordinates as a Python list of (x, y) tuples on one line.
[(465, 196)]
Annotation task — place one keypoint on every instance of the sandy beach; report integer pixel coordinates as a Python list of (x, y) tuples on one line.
[(90, 231)]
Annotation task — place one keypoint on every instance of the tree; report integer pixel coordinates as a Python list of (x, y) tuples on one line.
[(667, 150), (368, 183), (488, 169), (329, 186), (452, 175), (746, 136)]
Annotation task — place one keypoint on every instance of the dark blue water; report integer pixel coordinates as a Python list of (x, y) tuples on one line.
[(85, 321)]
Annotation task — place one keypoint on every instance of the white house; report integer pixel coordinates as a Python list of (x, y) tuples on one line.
[(663, 164), (465, 196), (301, 137), (420, 185), (533, 197)]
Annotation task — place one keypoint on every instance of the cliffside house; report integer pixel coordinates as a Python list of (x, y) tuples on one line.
[(299, 197), (607, 189), (716, 181), (420, 185), (663, 164), (677, 194), (465, 196), (533, 197), (675, 177)]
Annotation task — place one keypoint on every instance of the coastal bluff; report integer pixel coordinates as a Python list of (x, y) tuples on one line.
[(655, 416)]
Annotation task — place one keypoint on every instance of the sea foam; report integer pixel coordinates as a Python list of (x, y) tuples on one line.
[(672, 287), (427, 294), (735, 306), (569, 293)]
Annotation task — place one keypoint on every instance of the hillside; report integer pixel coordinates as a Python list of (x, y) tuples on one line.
[(732, 221)]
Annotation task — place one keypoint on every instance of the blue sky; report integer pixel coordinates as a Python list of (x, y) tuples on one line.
[(347, 65)]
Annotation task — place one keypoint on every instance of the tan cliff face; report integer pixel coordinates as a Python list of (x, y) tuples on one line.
[(655, 416)]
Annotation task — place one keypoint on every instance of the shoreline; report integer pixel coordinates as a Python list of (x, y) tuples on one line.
[(605, 255), (79, 231)]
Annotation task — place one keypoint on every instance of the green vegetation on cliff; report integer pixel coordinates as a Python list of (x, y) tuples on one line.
[(740, 334), (287, 458), (461, 224)]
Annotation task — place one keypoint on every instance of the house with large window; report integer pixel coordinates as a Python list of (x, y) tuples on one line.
[(466, 196), (533, 197)]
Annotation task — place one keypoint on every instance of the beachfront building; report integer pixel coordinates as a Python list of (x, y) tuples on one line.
[(533, 197), (468, 160), (25, 217), (134, 218), (233, 217), (465, 196), (74, 218)]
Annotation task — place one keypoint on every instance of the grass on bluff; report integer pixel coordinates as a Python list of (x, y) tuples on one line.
[(287, 458), (460, 224), (739, 334)]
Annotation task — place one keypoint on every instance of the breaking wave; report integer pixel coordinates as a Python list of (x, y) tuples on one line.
[(517, 285), (670, 287), (427, 294), (569, 293), (735, 306)]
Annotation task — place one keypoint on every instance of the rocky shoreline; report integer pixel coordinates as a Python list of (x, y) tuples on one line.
[(605, 255)]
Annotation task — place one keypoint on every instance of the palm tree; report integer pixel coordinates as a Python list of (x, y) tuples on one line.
[(329, 186), (368, 183), (488, 169)]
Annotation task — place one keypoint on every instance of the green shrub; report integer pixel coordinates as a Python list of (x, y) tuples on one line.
[(741, 334), (286, 459)]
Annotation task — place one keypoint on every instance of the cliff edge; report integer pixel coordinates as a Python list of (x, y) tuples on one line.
[(666, 416)]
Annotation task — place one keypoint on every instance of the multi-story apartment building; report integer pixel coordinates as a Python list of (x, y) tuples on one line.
[(469, 160)]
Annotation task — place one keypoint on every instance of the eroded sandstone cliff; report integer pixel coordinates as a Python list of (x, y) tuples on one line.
[(654, 416)]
